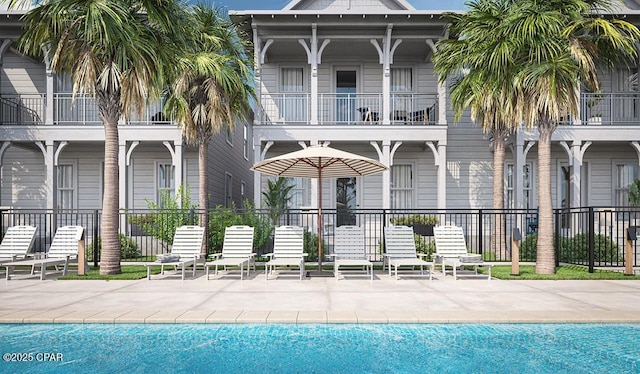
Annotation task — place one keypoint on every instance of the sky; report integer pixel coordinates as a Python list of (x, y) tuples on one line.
[(279, 4)]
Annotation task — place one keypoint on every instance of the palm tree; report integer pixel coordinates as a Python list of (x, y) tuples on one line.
[(211, 90), (117, 51), (560, 43), (551, 48), (475, 58), (277, 197)]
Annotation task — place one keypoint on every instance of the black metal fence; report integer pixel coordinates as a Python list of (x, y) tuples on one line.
[(591, 236)]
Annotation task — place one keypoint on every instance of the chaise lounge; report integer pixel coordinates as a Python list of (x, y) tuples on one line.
[(237, 250), (288, 250), (185, 251), (348, 250), (451, 249), (400, 250)]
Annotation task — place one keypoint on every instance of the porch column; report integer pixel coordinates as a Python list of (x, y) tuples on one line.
[(314, 58), (258, 155), (257, 73), (440, 157), (384, 156), (575, 154), (442, 90), (385, 53), (50, 178), (122, 179), (48, 115), (176, 160)]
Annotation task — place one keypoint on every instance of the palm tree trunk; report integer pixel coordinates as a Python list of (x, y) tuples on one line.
[(498, 232), (110, 255), (203, 183), (545, 262)]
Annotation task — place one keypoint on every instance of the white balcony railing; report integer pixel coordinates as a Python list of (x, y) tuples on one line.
[(409, 108), (336, 108), (83, 110), (286, 108), (621, 108), (352, 108)]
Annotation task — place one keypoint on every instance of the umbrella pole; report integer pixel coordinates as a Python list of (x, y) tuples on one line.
[(320, 219)]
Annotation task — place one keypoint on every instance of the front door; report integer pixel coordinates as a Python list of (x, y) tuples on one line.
[(346, 88)]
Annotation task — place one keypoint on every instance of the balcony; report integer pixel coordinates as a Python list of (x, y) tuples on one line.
[(618, 109), (347, 109), (81, 110)]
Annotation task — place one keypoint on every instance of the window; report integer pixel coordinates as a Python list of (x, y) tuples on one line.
[(229, 135), (626, 173), (401, 80), (292, 80), (527, 193), (243, 189), (166, 182), (228, 185), (297, 193), (401, 186), (293, 103), (66, 186), (245, 138)]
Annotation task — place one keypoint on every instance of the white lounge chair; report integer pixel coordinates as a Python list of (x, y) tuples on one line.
[(451, 249), (400, 250), (185, 251), (17, 243), (63, 250), (348, 250), (288, 249), (237, 250)]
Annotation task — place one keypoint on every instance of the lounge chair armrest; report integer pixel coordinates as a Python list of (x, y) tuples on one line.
[(214, 256), (269, 254), (422, 255), (305, 254), (39, 256)]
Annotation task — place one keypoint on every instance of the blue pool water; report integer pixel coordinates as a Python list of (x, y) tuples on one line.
[(499, 348)]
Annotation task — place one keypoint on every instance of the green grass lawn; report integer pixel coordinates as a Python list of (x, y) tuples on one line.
[(564, 272), (129, 272), (527, 272)]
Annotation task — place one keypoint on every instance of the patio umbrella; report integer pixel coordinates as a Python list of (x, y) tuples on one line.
[(319, 161)]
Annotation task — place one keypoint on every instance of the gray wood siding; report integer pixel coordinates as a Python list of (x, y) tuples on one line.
[(23, 178), (22, 76), (229, 158)]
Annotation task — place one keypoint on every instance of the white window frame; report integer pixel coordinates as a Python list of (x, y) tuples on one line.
[(158, 163), (412, 189), (281, 77), (229, 135), (74, 183), (615, 188), (245, 130), (510, 203), (413, 79), (228, 189)]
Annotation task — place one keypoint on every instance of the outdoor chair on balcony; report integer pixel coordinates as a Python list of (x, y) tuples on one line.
[(349, 250), (237, 251), (17, 243), (400, 250), (185, 251), (451, 250), (288, 250), (65, 246), (368, 115)]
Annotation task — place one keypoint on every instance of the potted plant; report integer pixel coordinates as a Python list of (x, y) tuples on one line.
[(594, 112), (422, 223)]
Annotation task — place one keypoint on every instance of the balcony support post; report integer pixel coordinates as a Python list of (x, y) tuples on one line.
[(176, 160), (257, 65), (314, 58), (385, 156), (48, 115), (440, 157)]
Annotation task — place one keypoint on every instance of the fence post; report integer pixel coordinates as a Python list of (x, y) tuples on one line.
[(591, 240), (556, 240), (631, 236), (480, 232), (96, 231), (516, 237)]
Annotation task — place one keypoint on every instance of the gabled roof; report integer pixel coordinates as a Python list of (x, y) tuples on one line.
[(342, 5)]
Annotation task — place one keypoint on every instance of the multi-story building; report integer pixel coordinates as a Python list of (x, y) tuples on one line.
[(358, 74), (52, 144)]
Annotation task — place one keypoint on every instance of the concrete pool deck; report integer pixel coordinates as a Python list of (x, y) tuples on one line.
[(317, 300)]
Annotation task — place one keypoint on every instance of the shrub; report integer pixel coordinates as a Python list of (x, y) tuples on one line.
[(425, 246), (529, 247), (311, 247), (128, 248), (222, 217), (604, 249), (415, 219)]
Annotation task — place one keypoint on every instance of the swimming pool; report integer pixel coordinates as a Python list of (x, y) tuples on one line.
[(496, 348)]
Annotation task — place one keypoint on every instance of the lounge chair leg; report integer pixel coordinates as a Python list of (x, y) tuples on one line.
[(206, 271), (148, 272), (241, 270)]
